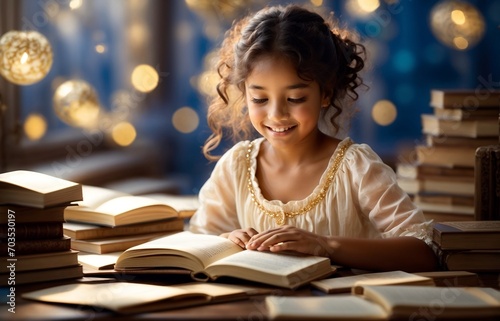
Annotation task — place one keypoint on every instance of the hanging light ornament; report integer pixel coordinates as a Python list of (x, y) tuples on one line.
[(457, 24), (25, 57), (76, 103)]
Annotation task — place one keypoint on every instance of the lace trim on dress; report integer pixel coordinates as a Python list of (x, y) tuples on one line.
[(422, 231), (280, 216)]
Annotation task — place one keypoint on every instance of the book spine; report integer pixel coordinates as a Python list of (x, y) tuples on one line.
[(35, 246), (34, 231), (487, 183)]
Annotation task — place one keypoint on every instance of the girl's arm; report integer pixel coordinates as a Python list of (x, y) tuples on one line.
[(397, 253)]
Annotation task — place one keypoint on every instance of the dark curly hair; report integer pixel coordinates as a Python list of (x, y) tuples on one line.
[(318, 48)]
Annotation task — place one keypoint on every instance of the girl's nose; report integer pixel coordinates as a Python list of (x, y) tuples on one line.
[(278, 111)]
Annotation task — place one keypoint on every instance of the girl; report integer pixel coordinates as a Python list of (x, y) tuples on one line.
[(298, 187)]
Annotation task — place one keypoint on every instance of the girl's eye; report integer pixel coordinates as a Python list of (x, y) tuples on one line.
[(297, 100), (258, 101)]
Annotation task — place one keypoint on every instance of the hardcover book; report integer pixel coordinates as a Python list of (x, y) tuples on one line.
[(33, 189), (467, 235)]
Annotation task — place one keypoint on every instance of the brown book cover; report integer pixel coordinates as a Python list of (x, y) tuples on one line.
[(22, 214), (468, 99), (469, 260), (21, 247), (33, 231), (487, 183), (469, 235)]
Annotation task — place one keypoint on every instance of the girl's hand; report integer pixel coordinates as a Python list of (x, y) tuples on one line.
[(289, 238), (241, 236)]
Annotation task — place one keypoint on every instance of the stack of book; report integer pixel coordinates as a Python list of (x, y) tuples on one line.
[(468, 245), (32, 245), (440, 175), (107, 222)]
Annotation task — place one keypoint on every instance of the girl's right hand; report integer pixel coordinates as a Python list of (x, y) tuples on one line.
[(240, 236)]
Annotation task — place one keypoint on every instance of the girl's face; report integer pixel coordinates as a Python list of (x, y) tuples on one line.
[(282, 107)]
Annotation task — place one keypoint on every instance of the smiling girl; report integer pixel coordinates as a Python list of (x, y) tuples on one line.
[(299, 186)]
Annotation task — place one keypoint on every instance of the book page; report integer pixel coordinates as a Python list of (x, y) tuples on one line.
[(338, 307), (181, 203), (94, 196), (274, 263), (34, 181), (454, 301), (345, 284), (204, 248), (122, 204), (119, 296)]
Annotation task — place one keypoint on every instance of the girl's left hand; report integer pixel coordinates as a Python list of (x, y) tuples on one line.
[(290, 238)]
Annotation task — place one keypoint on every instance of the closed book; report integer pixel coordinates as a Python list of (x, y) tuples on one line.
[(454, 186), (81, 231), (45, 275), (33, 231), (469, 260), (18, 247), (467, 99), (41, 261), (432, 125), (487, 183), (446, 156), (466, 114), (33, 189), (425, 171), (450, 141), (468, 235), (23, 214), (113, 244)]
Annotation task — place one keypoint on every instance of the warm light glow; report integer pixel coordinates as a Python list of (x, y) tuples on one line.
[(384, 112), (317, 3), (76, 103), (35, 126), (25, 57), (75, 4), (457, 24), (185, 120), (123, 134), (458, 17), (368, 5), (100, 48), (461, 43), (145, 78)]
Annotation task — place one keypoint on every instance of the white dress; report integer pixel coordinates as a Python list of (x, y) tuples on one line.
[(363, 199)]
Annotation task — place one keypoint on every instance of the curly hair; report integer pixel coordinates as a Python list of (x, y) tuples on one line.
[(319, 49)]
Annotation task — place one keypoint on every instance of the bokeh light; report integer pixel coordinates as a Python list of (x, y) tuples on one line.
[(123, 134), (185, 120), (145, 78), (35, 126), (384, 112)]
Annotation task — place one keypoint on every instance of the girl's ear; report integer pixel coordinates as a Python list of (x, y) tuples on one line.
[(325, 102)]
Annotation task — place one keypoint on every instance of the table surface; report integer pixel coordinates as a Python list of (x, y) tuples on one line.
[(252, 308)]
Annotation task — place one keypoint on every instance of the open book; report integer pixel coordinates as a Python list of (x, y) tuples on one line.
[(391, 302), (127, 298), (209, 257), (348, 283), (33, 189), (103, 206)]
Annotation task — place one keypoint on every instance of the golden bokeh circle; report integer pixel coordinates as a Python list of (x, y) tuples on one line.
[(25, 57), (76, 103), (457, 24)]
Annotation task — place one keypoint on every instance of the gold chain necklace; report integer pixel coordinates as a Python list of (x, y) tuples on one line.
[(280, 216)]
